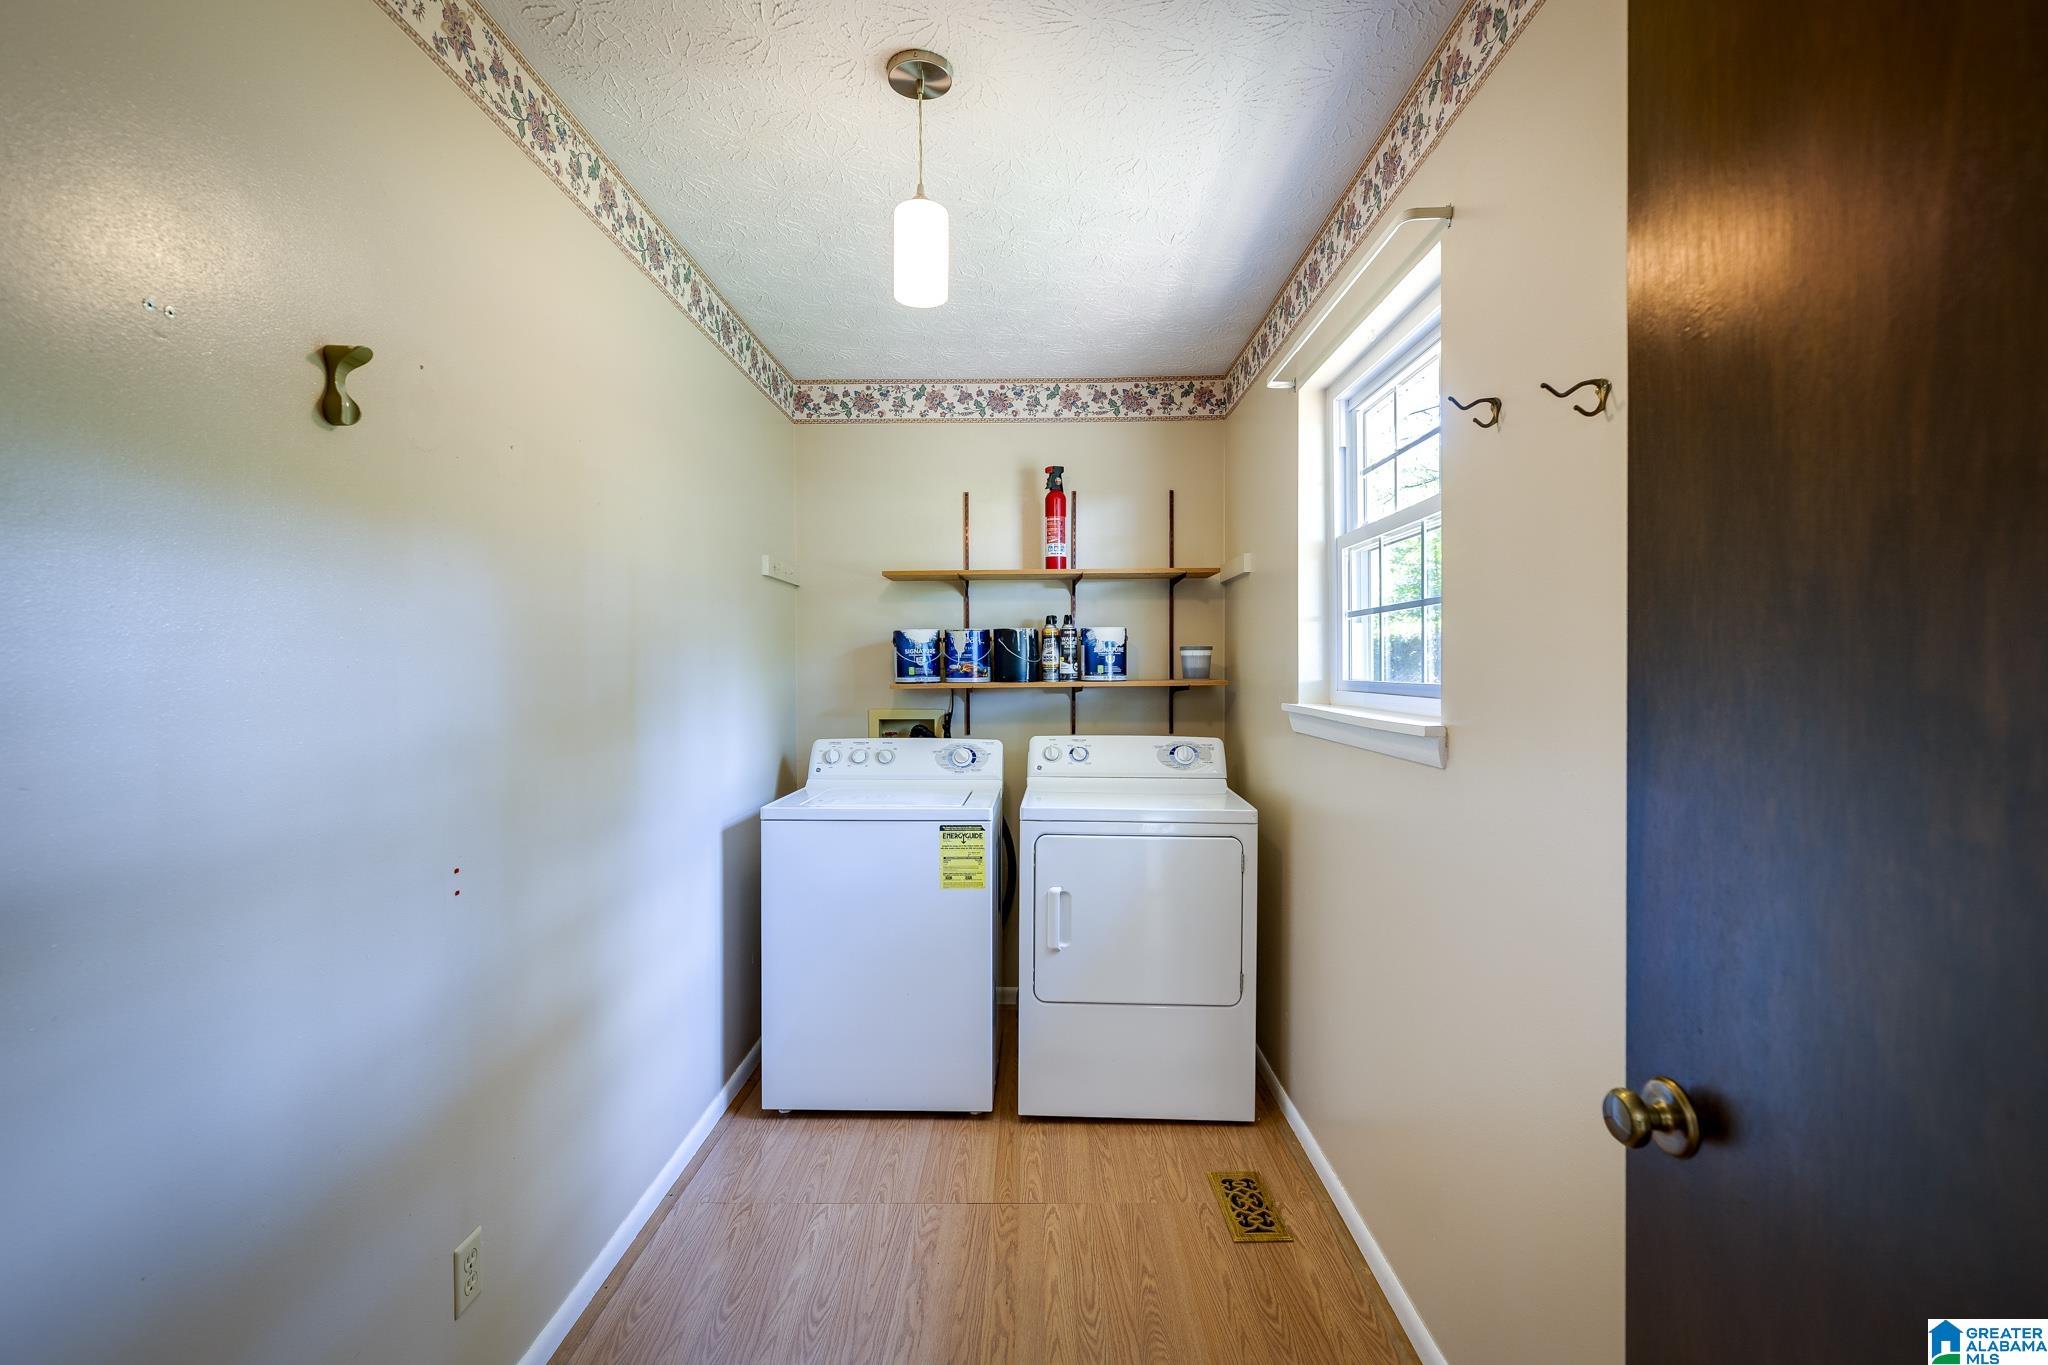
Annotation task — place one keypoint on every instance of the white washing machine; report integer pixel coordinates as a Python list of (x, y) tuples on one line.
[(1137, 943), (879, 917)]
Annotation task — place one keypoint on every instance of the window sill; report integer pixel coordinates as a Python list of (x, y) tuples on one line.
[(1397, 734)]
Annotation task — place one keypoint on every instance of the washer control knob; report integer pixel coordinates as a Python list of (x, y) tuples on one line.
[(1051, 753), (960, 757), (831, 755), (885, 755), (1182, 755), (860, 755), (1078, 754)]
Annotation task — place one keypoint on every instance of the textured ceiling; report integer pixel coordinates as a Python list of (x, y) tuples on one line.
[(1130, 181)]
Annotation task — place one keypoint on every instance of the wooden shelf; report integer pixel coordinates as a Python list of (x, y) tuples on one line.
[(963, 580), (1048, 575), (1060, 686)]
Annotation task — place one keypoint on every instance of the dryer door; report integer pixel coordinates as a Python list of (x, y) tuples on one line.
[(1138, 919)]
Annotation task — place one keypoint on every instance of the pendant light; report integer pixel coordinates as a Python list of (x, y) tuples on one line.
[(923, 239)]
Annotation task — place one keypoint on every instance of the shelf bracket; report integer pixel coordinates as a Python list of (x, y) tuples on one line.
[(1172, 596), (966, 594)]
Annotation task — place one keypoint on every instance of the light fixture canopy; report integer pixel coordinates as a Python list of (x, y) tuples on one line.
[(924, 256)]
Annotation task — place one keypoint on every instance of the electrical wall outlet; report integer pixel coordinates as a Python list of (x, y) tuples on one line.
[(469, 1271), (779, 569)]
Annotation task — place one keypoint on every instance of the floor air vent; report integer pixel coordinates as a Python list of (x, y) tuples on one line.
[(1251, 1216)]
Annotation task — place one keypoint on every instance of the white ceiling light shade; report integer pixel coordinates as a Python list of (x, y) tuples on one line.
[(924, 253), (924, 249)]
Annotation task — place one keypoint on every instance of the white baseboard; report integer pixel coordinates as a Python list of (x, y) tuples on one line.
[(1006, 995), (544, 1345), (1383, 1271)]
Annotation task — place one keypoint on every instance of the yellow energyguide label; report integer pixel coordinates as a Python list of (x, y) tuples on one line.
[(963, 858)]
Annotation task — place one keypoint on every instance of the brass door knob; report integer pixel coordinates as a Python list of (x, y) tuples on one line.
[(1661, 1114)]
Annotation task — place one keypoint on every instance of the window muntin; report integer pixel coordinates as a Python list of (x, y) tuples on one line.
[(1388, 541)]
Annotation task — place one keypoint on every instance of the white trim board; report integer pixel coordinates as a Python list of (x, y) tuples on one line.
[(551, 1336), (1415, 737), (1382, 1270)]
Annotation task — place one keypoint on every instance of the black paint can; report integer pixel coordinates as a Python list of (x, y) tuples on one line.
[(1016, 655)]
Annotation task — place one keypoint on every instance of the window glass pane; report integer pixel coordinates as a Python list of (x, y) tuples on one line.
[(1377, 432), (1418, 472), (1361, 649), (1402, 581), (1391, 462), (1379, 492), (1354, 469), (1416, 402), (1401, 646), (1361, 566)]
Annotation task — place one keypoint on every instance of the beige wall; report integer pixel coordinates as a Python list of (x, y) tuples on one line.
[(267, 684), (1443, 950), (870, 498)]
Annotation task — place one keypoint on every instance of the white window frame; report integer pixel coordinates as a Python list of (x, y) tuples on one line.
[(1401, 345)]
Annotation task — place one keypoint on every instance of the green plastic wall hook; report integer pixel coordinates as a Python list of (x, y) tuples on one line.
[(335, 404)]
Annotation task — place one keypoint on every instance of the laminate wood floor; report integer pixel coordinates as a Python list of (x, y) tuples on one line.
[(889, 1237)]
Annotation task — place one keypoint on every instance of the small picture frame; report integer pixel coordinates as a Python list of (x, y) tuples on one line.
[(898, 722)]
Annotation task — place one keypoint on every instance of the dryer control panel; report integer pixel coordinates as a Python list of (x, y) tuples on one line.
[(882, 760), (1127, 756)]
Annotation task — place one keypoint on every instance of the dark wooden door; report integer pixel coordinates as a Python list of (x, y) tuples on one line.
[(1838, 671)]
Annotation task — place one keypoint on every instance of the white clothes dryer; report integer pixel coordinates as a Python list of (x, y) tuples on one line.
[(1137, 943)]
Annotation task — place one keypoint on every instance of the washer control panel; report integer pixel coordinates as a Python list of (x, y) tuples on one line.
[(1126, 756), (888, 759)]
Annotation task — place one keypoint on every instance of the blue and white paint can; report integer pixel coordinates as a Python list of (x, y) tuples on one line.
[(917, 656), (967, 655), (1102, 652)]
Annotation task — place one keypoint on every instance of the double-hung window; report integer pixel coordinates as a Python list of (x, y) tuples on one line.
[(1387, 533)]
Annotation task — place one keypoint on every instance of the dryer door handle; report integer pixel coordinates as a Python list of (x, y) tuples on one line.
[(1059, 917)]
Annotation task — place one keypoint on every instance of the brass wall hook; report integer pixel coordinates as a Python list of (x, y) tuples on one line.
[(1601, 386), (335, 405), (1493, 420)]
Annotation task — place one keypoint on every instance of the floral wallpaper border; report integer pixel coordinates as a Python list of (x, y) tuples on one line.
[(1471, 48), (1008, 400), (467, 45)]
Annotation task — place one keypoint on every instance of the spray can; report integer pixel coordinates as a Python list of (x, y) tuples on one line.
[(1070, 651), (1058, 542), (1049, 650)]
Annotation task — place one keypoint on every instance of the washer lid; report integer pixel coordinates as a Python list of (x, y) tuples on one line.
[(888, 801), (1151, 802)]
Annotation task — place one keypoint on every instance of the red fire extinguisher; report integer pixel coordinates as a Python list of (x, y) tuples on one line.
[(1057, 543)]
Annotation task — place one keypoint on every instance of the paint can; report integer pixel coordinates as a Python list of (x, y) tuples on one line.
[(917, 656), (967, 652), (1102, 653), (1016, 655)]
